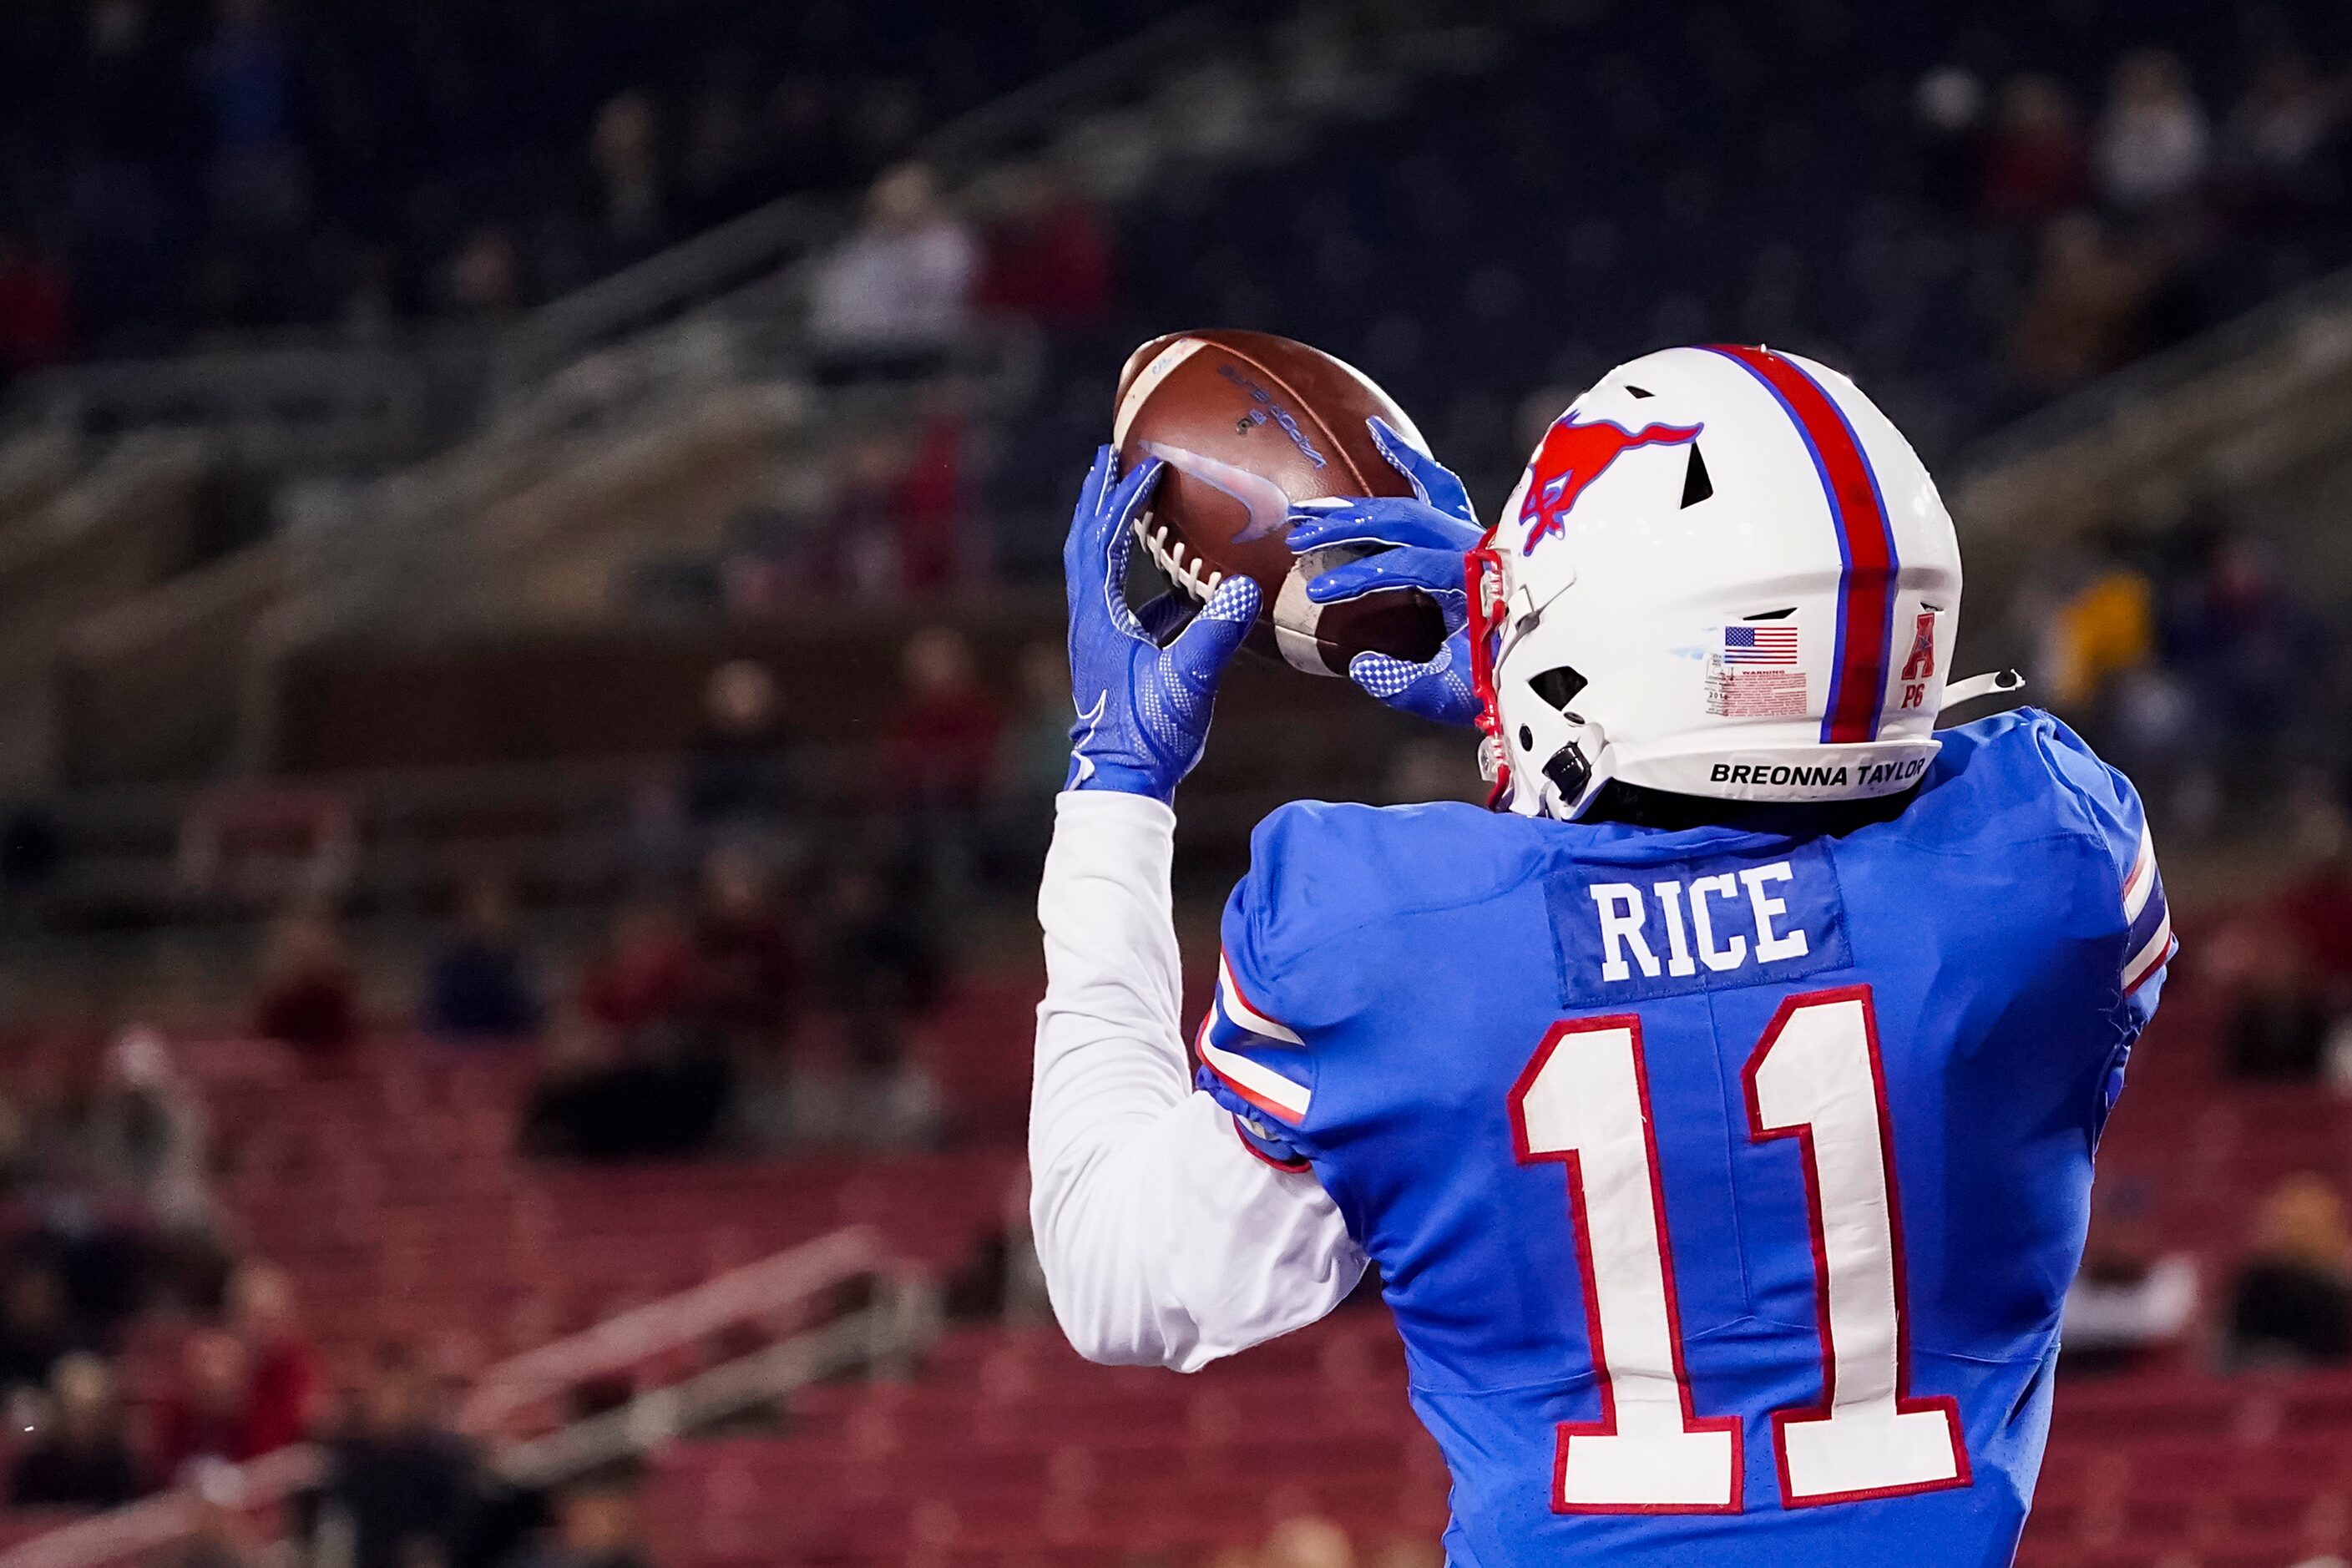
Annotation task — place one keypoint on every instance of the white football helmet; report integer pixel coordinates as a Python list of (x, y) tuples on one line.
[(1725, 573)]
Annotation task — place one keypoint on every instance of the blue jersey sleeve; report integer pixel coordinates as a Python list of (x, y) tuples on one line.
[(1317, 872), (2120, 820), (1252, 1059), (1306, 939)]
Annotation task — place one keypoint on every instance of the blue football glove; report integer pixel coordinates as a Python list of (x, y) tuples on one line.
[(1144, 708), (1429, 533)]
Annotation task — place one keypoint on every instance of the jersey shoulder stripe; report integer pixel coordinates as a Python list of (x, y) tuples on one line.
[(2149, 943), (1257, 1059)]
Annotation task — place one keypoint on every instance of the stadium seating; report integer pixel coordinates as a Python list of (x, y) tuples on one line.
[(411, 126), (1009, 1444), (1010, 1449), (1763, 182), (391, 1189), (390, 1186)]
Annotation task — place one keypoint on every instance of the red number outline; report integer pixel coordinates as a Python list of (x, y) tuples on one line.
[(1606, 1427), (1905, 1402)]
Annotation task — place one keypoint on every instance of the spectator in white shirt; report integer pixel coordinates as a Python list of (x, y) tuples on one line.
[(2130, 1300), (2153, 140), (899, 290)]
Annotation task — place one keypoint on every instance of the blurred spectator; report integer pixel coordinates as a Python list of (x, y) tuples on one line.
[(148, 1136), (2034, 164), (941, 743), (2082, 315), (895, 295), (2106, 628), (79, 1459), (1036, 747), (625, 159), (2315, 913), (651, 1080), (643, 976), (259, 181), (2131, 1299), (2292, 1302), (2277, 135), (886, 971), (123, 1157), (482, 279), (2273, 1027), (664, 1096), (1949, 106), (1048, 254), (596, 1524), (405, 1487), (284, 1386), (115, 1157), (125, 1136), (36, 325), (309, 994), (862, 530), (36, 1331), (2153, 141), (748, 975), (928, 504), (738, 775), (209, 1412), (479, 983), (2249, 650)]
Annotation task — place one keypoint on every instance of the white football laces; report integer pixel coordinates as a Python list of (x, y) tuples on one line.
[(1184, 568)]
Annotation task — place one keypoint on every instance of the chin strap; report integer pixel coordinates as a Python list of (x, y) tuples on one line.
[(2000, 683)]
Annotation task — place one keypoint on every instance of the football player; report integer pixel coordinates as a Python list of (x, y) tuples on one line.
[(1718, 1107)]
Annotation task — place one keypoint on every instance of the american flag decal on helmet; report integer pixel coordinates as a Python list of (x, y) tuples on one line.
[(1760, 645)]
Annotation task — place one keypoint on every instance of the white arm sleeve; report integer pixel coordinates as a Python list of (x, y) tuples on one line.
[(1164, 1241)]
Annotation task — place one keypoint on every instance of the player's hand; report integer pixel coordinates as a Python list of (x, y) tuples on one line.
[(1429, 533), (1143, 708)]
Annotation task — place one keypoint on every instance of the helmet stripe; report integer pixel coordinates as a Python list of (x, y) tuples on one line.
[(1865, 622)]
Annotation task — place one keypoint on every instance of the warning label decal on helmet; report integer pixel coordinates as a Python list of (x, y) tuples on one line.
[(1756, 693), (1753, 672)]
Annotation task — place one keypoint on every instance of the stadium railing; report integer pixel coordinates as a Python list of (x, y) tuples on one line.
[(2232, 405), (788, 1291)]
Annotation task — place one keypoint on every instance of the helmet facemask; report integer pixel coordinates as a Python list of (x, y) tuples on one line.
[(1545, 759)]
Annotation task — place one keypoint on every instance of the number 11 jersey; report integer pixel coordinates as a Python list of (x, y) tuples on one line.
[(1725, 1185)]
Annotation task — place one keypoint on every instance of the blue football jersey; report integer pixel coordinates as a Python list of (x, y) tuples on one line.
[(1725, 1185)]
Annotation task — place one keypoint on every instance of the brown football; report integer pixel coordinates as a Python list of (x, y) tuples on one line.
[(1248, 423)]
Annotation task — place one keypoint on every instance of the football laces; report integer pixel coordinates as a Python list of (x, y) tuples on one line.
[(1184, 568)]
